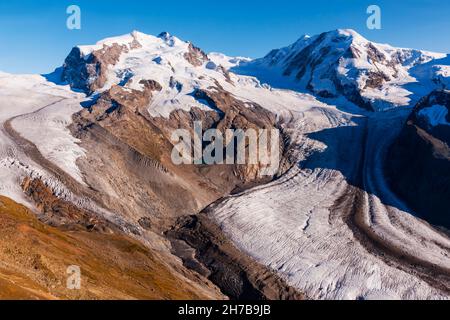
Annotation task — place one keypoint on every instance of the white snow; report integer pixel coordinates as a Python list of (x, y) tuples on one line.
[(404, 85), (294, 227), (225, 61), (24, 95), (126, 40), (305, 239), (48, 130), (162, 60), (443, 70)]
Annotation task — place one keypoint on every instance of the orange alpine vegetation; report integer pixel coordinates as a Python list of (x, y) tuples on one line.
[(35, 257)]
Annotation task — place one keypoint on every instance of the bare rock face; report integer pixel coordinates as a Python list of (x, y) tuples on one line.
[(88, 73), (57, 212), (195, 56), (117, 98), (342, 63), (419, 162), (129, 159), (229, 113), (322, 58), (119, 129), (238, 276), (128, 165)]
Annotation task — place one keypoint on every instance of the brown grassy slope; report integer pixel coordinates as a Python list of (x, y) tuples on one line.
[(34, 258)]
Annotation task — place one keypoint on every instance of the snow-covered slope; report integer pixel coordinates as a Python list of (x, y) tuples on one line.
[(40, 111), (343, 63), (329, 225), (433, 112), (333, 65), (226, 61), (312, 224), (178, 66)]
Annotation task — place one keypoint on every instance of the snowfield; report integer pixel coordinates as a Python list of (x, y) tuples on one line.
[(302, 217), (40, 111), (330, 226), (345, 57), (48, 129), (24, 95)]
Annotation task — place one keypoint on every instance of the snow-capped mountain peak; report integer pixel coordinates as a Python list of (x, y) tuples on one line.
[(134, 40), (331, 65), (118, 59), (111, 164), (344, 63)]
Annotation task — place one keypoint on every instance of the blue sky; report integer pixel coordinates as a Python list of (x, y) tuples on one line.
[(34, 37)]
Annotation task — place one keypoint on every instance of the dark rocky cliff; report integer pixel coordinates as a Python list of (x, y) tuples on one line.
[(419, 163)]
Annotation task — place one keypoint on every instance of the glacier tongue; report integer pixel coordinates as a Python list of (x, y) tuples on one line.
[(316, 224), (307, 215)]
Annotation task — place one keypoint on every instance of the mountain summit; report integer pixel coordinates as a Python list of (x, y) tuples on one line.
[(89, 68), (333, 65), (333, 219), (343, 63)]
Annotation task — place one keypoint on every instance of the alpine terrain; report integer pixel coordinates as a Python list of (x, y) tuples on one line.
[(357, 207)]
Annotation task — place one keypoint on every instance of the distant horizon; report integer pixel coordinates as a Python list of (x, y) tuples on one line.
[(38, 40)]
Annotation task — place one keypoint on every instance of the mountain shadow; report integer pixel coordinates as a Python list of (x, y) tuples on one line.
[(348, 152)]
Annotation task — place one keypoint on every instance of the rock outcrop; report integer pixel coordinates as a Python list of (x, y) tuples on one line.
[(196, 56), (418, 165), (88, 73), (342, 63), (119, 128)]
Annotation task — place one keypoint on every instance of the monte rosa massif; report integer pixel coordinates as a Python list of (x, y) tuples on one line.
[(358, 208)]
